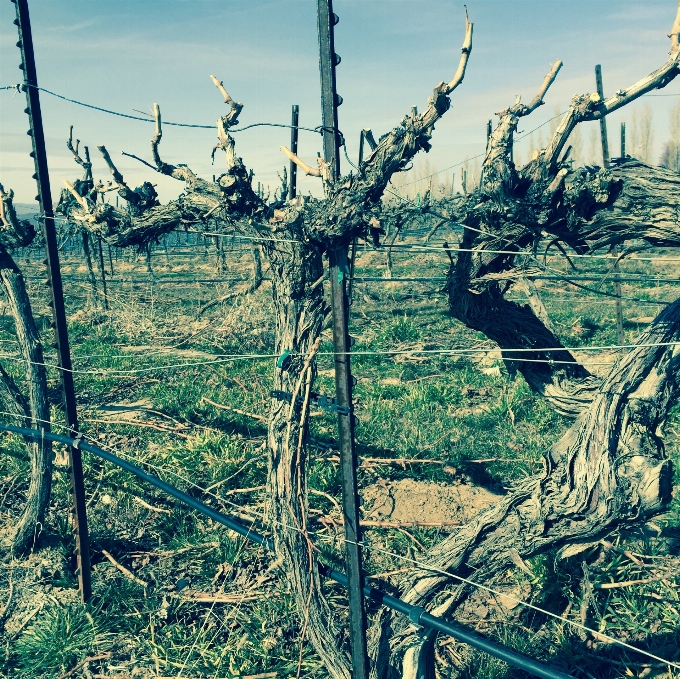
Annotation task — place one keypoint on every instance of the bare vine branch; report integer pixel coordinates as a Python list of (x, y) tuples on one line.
[(232, 117), (181, 172), (307, 169), (15, 232), (73, 148)]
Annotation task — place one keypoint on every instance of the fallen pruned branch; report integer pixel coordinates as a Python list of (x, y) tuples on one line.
[(139, 500), (262, 418), (82, 663), (127, 573), (630, 583)]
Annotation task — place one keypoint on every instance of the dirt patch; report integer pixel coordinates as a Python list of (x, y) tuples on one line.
[(124, 411), (25, 589), (409, 500)]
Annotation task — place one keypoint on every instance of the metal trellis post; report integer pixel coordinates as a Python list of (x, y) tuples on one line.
[(614, 251), (339, 269), (292, 191), (54, 282), (603, 120), (623, 140)]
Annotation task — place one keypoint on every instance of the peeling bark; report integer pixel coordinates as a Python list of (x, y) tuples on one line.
[(297, 274)]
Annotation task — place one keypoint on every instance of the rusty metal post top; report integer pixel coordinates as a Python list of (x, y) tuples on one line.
[(295, 118)]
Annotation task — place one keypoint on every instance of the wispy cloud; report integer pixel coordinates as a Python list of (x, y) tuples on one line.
[(74, 27)]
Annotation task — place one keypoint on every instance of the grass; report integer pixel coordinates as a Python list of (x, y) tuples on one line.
[(449, 409)]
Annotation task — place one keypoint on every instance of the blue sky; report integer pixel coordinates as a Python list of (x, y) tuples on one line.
[(127, 55)]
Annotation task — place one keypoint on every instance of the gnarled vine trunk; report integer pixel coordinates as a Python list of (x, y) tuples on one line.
[(608, 469), (549, 368), (587, 210), (34, 410), (297, 275)]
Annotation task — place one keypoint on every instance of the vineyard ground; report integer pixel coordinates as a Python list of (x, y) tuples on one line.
[(439, 436)]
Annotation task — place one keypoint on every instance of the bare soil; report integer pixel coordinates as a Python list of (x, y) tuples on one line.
[(409, 500)]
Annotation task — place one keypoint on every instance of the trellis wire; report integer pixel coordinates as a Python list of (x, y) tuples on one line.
[(227, 358), (317, 130)]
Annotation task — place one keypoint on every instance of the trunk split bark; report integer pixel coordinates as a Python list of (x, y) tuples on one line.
[(297, 274)]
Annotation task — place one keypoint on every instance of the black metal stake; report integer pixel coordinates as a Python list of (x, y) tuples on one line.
[(348, 461), (603, 120), (606, 163), (102, 269), (292, 191), (44, 197), (623, 140), (330, 100), (339, 269)]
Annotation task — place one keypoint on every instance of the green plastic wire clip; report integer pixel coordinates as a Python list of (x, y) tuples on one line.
[(284, 360)]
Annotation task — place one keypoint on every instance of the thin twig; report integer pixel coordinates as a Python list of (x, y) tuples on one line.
[(262, 418), (174, 552), (127, 573), (218, 598), (28, 619), (93, 658), (502, 459), (330, 498), (630, 583), (417, 543), (610, 546), (141, 160), (401, 461), (391, 524), (132, 423), (151, 507), (236, 491), (388, 573), (236, 473)]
